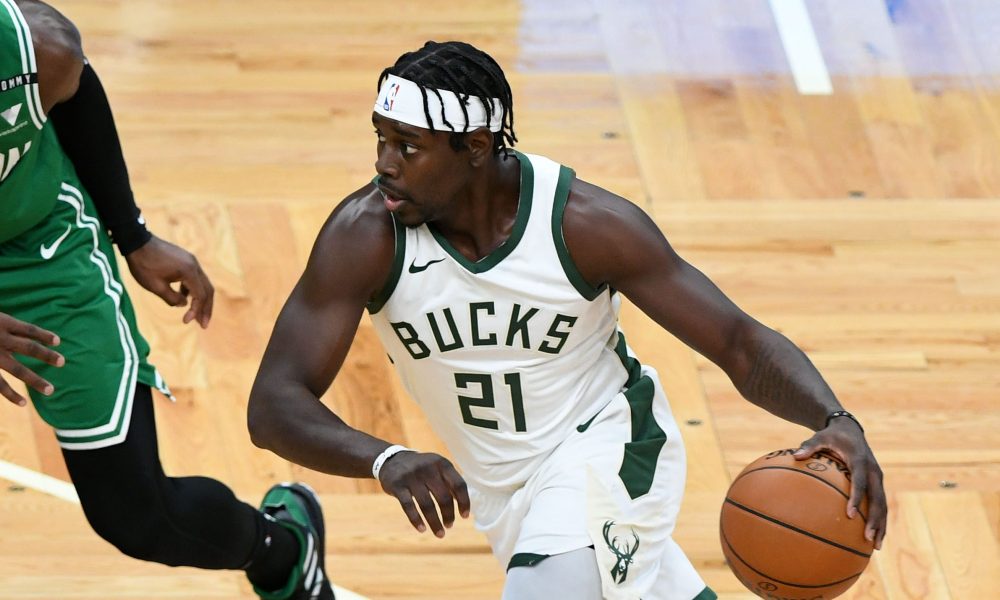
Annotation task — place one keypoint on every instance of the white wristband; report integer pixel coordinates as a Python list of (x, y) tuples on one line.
[(386, 455)]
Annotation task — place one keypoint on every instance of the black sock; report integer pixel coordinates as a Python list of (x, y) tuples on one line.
[(276, 553), (179, 521)]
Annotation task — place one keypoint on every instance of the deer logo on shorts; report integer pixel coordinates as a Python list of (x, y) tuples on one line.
[(620, 571)]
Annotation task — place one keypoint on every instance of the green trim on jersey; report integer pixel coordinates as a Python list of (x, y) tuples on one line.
[(520, 224), (566, 176), (643, 452), (525, 559), (398, 259)]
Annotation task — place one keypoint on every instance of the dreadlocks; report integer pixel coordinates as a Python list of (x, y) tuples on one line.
[(465, 70)]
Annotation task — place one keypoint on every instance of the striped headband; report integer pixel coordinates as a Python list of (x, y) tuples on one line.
[(401, 100)]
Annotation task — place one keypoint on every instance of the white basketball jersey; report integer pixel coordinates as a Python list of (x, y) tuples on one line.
[(507, 355)]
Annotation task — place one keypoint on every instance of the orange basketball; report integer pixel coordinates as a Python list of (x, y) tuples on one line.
[(785, 530)]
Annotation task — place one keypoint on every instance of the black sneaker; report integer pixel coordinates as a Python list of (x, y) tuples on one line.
[(296, 506)]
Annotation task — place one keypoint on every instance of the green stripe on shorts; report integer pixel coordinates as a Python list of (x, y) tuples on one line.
[(525, 559), (706, 594), (643, 452)]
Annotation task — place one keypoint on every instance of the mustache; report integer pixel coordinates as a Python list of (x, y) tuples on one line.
[(389, 191)]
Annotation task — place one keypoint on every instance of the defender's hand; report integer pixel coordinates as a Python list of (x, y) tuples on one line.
[(845, 440), (421, 479), (18, 337), (158, 264)]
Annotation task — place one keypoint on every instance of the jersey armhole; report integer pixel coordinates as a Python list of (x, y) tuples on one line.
[(399, 231), (566, 176)]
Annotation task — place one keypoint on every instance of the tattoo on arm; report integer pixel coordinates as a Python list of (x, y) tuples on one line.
[(766, 380), (784, 382)]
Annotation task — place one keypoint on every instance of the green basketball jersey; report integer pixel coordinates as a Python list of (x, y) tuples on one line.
[(31, 160), (57, 265)]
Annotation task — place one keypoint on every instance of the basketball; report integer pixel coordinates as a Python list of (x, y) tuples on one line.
[(785, 532)]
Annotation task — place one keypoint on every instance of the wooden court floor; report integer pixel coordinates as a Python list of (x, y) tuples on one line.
[(864, 224)]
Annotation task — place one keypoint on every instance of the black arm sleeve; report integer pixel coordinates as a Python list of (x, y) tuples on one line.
[(86, 131)]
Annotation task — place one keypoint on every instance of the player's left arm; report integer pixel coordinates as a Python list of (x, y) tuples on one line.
[(74, 100), (614, 242)]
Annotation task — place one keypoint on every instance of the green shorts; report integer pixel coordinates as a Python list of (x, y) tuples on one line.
[(61, 275)]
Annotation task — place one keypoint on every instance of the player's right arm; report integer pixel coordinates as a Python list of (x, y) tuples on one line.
[(350, 262), (75, 101)]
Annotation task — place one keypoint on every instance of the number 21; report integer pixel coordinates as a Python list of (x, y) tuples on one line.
[(486, 399)]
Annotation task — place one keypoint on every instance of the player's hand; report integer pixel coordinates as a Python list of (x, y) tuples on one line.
[(18, 337), (845, 440), (422, 480), (158, 264)]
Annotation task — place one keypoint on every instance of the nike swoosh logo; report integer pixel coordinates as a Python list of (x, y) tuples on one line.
[(415, 269), (50, 251), (585, 426)]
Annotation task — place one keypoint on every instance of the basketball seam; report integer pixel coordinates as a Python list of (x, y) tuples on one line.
[(765, 575), (796, 529), (816, 477)]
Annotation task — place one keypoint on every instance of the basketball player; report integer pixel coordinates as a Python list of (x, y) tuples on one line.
[(63, 182), (493, 279)]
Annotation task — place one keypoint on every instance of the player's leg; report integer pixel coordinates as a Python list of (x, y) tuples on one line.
[(102, 414), (181, 521), (189, 521), (614, 488), (569, 575)]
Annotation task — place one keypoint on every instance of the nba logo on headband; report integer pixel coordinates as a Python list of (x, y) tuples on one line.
[(390, 97)]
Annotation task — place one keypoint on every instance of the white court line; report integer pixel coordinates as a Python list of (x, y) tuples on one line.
[(65, 491), (343, 594), (38, 481), (801, 47)]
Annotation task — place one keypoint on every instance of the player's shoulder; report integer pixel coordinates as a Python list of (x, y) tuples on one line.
[(594, 209), (51, 31), (361, 214), (361, 226), (606, 234), (58, 51), (354, 250)]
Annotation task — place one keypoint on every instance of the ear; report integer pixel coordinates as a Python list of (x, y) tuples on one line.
[(480, 146)]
